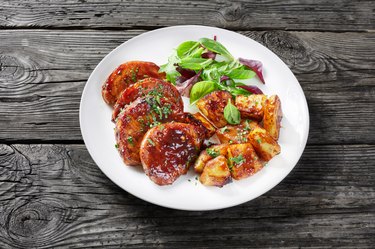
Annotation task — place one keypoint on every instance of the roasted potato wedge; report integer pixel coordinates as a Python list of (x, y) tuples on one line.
[(216, 172), (208, 154), (236, 134), (251, 106), (210, 129), (212, 106), (243, 161), (265, 146), (272, 116), (125, 75)]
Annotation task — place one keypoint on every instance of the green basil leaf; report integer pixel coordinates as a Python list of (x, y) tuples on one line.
[(240, 74), (194, 63), (231, 113), (210, 74), (170, 68), (200, 89), (239, 91), (216, 47), (186, 48), (197, 53)]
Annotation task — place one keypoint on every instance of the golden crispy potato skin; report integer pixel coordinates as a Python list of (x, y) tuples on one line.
[(204, 157), (125, 75), (236, 134), (149, 86), (265, 146), (135, 120), (216, 172), (212, 106), (272, 116), (243, 161), (251, 106), (210, 129), (168, 150), (232, 134)]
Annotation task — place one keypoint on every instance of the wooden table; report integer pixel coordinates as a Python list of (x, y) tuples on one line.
[(53, 195)]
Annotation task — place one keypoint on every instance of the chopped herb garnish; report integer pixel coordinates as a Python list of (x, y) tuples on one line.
[(151, 142), (247, 125), (155, 123), (134, 74), (238, 160), (230, 165), (259, 141), (116, 146), (212, 152), (224, 129), (130, 140), (166, 110)]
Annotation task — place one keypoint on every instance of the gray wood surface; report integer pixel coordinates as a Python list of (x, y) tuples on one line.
[(52, 195), (342, 15), (44, 72)]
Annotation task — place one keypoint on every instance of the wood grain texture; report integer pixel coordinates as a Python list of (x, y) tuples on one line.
[(346, 15), (42, 75), (55, 196)]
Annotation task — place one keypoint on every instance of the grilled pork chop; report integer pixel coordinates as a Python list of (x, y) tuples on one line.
[(168, 150), (149, 86), (137, 118), (125, 75)]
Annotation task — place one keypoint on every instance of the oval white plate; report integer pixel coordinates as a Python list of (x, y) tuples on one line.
[(187, 193)]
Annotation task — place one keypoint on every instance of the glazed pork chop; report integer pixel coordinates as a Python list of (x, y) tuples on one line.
[(168, 150), (136, 119), (125, 75), (149, 86)]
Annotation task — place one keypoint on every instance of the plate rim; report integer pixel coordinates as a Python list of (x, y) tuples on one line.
[(223, 206)]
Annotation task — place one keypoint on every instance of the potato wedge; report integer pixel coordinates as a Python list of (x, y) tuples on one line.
[(210, 129), (208, 154), (265, 146), (236, 134), (216, 172), (272, 116), (212, 106), (251, 106), (243, 161)]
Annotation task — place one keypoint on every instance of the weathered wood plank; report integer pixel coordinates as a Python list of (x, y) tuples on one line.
[(239, 15), (54, 195), (42, 75)]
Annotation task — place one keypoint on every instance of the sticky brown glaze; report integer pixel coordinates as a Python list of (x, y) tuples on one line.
[(236, 134), (248, 164), (136, 119), (125, 75), (212, 106), (189, 118), (168, 150), (152, 86)]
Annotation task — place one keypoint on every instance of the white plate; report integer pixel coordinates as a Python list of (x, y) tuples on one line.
[(187, 193)]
